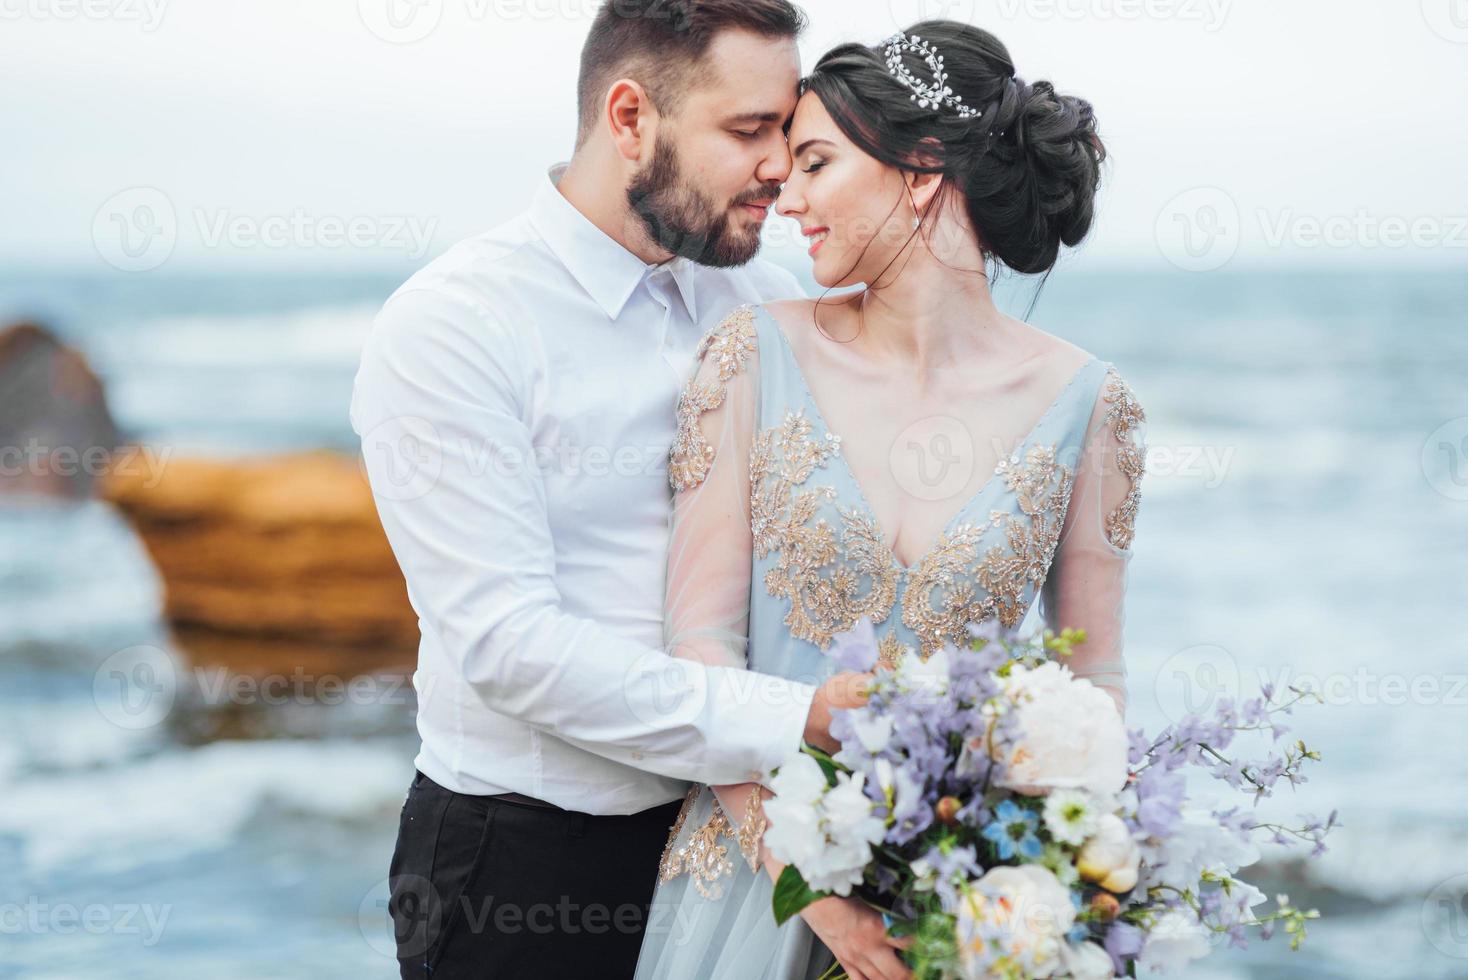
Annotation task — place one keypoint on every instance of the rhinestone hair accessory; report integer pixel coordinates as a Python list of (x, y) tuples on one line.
[(937, 94)]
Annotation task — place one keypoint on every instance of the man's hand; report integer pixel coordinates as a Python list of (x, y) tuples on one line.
[(844, 690)]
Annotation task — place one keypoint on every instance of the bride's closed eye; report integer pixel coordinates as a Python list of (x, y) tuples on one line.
[(814, 166)]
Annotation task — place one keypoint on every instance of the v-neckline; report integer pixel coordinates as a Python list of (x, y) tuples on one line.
[(963, 509)]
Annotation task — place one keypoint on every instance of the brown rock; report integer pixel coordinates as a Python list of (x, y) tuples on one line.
[(56, 434), (272, 564)]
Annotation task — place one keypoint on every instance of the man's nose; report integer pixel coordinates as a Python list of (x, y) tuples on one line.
[(775, 167)]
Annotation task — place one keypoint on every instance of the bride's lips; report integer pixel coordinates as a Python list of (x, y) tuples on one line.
[(811, 232)]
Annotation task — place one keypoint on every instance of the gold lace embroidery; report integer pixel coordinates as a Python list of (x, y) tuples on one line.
[(702, 857), (730, 344), (889, 652), (830, 583), (827, 595), (1005, 572), (752, 830), (1123, 416)]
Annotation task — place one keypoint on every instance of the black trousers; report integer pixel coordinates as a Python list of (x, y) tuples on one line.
[(485, 888)]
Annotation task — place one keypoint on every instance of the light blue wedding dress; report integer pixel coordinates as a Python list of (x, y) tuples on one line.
[(774, 551)]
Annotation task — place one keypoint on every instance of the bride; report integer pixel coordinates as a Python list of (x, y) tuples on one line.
[(904, 452)]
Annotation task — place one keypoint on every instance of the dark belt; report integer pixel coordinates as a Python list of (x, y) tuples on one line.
[(523, 799)]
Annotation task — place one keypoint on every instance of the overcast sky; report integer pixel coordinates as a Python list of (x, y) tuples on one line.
[(259, 132)]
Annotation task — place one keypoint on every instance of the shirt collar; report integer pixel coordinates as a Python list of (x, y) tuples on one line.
[(605, 269)]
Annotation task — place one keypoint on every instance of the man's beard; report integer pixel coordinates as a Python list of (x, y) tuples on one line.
[(682, 221)]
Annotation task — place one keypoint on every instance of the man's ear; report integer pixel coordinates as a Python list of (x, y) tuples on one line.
[(631, 118)]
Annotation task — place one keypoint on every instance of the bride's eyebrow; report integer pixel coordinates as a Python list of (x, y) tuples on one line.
[(809, 143)]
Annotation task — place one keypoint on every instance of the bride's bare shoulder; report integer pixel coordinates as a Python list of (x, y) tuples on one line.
[(797, 317), (793, 312), (1047, 351)]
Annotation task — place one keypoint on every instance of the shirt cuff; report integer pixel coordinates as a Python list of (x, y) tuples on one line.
[(788, 738)]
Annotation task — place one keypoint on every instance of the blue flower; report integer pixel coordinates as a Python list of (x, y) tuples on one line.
[(1013, 831)]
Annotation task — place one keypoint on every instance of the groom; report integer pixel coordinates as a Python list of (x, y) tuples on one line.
[(516, 406)]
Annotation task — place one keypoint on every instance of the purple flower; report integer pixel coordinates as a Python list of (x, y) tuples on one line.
[(856, 649), (1124, 942), (1160, 801)]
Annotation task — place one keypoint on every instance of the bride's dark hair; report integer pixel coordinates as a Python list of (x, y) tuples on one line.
[(1028, 164)]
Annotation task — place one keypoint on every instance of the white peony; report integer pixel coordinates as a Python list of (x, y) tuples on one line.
[(827, 833), (1111, 858), (1175, 940), (1087, 961), (800, 780), (1068, 734), (1022, 910)]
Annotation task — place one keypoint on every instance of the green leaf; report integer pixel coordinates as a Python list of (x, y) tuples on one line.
[(792, 894), (828, 765)]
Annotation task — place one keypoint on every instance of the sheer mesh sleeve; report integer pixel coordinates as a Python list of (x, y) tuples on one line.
[(1086, 586), (710, 554)]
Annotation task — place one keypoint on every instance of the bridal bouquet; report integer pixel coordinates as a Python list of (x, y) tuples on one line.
[(995, 808)]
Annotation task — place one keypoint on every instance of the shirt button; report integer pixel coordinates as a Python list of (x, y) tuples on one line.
[(637, 755)]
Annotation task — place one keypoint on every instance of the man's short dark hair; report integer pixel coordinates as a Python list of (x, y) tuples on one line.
[(659, 43)]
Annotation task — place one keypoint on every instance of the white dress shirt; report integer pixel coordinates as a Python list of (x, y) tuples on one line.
[(516, 406)]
